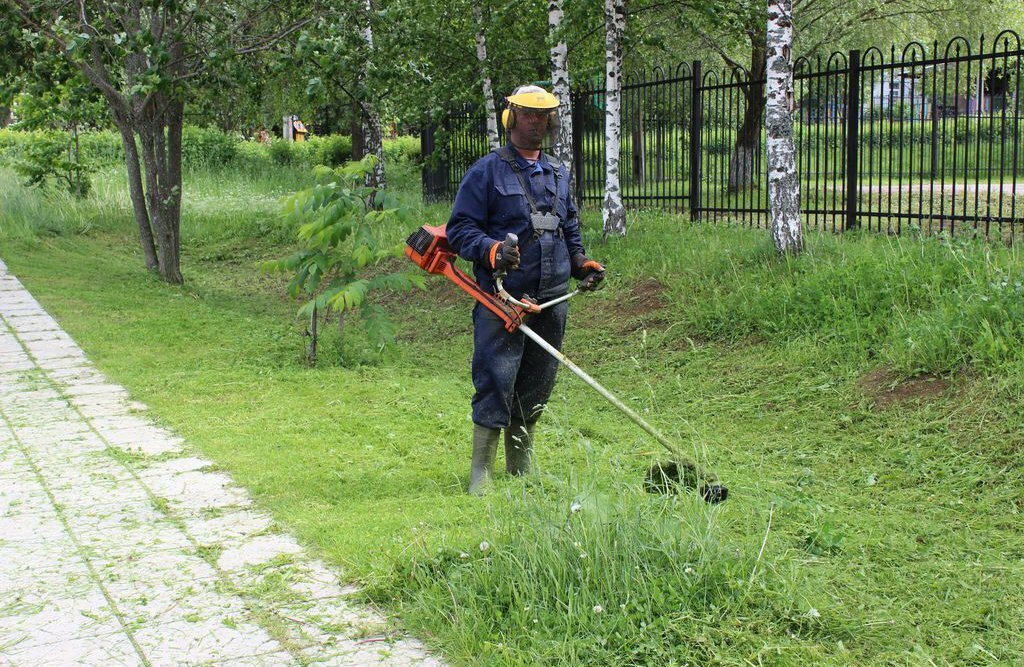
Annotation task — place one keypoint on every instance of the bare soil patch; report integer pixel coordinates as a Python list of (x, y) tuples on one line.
[(885, 388), (645, 297)]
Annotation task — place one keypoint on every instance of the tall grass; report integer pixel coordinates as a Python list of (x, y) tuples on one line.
[(933, 304), (28, 214), (572, 575)]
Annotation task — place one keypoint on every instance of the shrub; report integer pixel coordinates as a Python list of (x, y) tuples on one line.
[(10, 144), (252, 155), (47, 155), (402, 149), (307, 153), (282, 152), (333, 150), (102, 148), (207, 147)]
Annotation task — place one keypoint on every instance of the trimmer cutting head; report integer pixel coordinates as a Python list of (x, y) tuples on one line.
[(665, 477)]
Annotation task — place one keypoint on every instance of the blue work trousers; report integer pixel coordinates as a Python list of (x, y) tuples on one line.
[(512, 375)]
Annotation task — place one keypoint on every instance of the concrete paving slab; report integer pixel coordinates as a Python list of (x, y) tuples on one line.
[(51, 609), (228, 527), (202, 641), (108, 650), (119, 545)]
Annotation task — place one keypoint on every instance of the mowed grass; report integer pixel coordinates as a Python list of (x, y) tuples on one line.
[(872, 520)]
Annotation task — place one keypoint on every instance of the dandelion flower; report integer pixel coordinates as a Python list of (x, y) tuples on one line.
[(598, 609), (484, 546), (575, 507)]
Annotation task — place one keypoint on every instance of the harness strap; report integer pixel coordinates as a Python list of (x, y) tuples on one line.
[(505, 153)]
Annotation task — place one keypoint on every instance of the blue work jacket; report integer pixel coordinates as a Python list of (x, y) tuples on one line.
[(491, 203)]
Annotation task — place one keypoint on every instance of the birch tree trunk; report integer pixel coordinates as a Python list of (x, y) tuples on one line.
[(372, 139), (615, 27), (783, 185), (485, 76), (560, 79)]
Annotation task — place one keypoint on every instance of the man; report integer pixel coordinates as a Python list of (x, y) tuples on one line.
[(517, 190)]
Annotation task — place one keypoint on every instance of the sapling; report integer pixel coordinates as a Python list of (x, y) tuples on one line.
[(338, 247)]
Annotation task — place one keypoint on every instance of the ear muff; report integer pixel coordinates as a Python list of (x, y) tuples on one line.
[(508, 119)]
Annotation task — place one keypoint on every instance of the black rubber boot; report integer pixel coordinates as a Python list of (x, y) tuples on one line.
[(518, 447), (485, 446)]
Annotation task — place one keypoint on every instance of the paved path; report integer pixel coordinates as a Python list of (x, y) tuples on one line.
[(119, 546)]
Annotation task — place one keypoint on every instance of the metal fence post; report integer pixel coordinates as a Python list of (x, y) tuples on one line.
[(695, 128), (435, 171), (577, 148), (427, 154), (852, 139)]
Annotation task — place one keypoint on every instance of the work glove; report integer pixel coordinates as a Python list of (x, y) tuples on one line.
[(505, 255), (587, 271)]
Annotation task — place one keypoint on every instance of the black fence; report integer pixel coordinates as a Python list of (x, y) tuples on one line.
[(935, 141)]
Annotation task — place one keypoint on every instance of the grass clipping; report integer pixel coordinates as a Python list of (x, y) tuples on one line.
[(564, 576)]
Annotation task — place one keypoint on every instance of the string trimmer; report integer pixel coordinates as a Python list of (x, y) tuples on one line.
[(428, 248)]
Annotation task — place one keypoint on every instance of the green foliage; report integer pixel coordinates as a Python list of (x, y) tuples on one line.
[(211, 148), (252, 155), (282, 152), (56, 95), (334, 150), (402, 149), (208, 147), (102, 148), (54, 156), (339, 248)]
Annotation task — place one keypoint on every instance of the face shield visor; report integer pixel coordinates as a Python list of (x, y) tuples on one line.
[(531, 118), (531, 129)]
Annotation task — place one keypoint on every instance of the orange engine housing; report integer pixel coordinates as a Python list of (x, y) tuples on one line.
[(428, 249)]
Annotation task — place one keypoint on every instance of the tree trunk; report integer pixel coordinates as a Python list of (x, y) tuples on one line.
[(356, 131), (639, 149), (160, 136), (136, 191), (173, 189), (614, 212), (373, 142), (560, 79), (312, 335), (743, 161), (783, 184), (481, 57)]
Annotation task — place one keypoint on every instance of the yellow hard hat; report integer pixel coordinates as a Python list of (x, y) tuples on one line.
[(528, 97), (532, 97)]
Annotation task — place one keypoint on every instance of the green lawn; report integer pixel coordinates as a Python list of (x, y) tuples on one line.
[(871, 520)]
